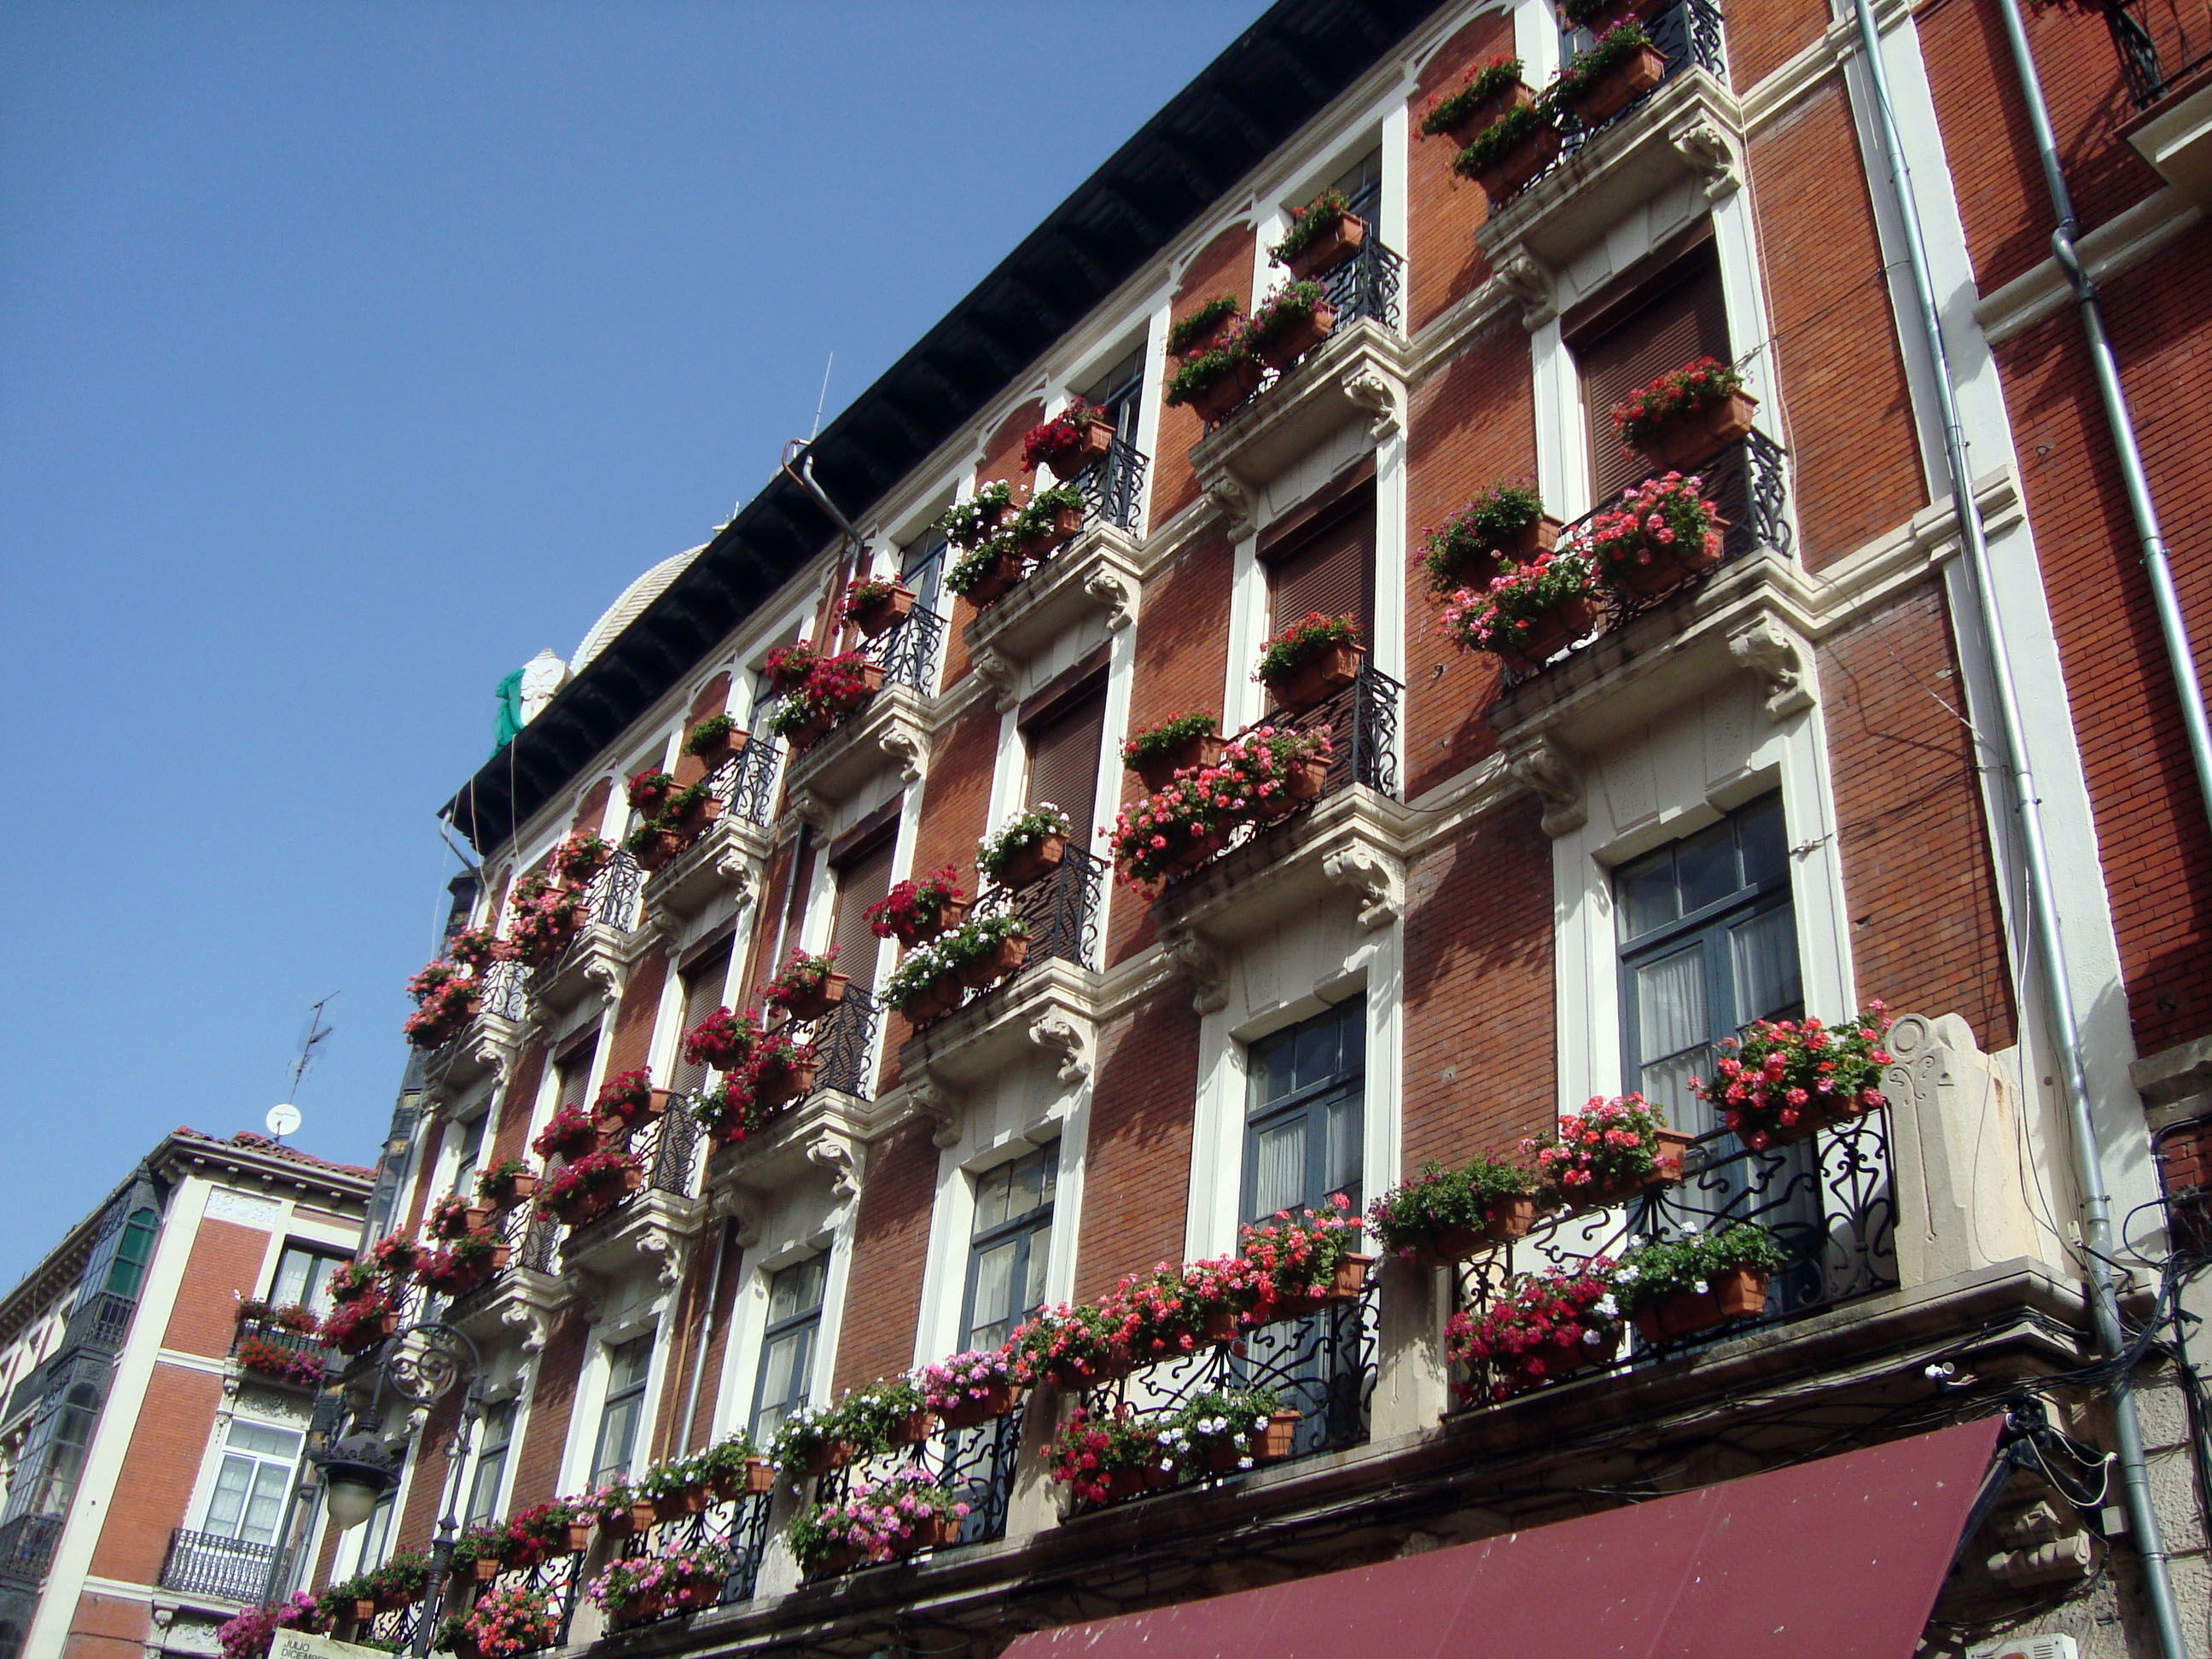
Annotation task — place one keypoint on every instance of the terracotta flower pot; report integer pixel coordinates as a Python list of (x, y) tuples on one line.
[(1124, 1484), (1070, 1376), (813, 1003), (940, 1532), (997, 1399), (659, 851), (1158, 771), (827, 1455), (1519, 165), (935, 1000), (1191, 858), (1600, 26), (836, 1559), (577, 1538), (1292, 343), (813, 729), (881, 616), (1318, 678), (1222, 1325), (1328, 250), (997, 580), (1096, 439), (484, 1569), (1695, 435), (1305, 781), (1490, 112), (364, 1610), (1619, 87), (949, 914), (1672, 1143), (518, 1188), (786, 1080), (625, 1115), (1213, 336), (1669, 568), (722, 751), (760, 1477), (914, 1428), (1001, 959), (1550, 632), (643, 1608), (1741, 1292), (1275, 1442), (1066, 525), (1038, 860), (1215, 401)]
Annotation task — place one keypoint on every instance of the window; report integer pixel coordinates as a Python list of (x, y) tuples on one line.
[(1362, 184), (1063, 743), (497, 1435), (703, 983), (629, 1365), (1304, 1116), (1708, 945), (1667, 321), (1322, 557), (370, 1542), (470, 1155), (571, 1073), (133, 1250), (1013, 1237), (247, 1504), (864, 875), (303, 1275), (921, 566), (794, 1317), (1120, 392)]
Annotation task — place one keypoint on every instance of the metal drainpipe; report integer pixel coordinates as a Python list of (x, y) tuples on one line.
[(2046, 944), (2181, 660)]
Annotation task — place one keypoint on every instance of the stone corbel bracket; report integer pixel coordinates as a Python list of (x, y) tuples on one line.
[(1543, 766), (843, 1157), (1376, 876), (1071, 1040), (1780, 659), (1195, 956)]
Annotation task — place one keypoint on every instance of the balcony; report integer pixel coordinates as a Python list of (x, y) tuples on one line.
[(886, 728), (526, 1287), (1049, 1004), (277, 1353), (26, 1547), (2169, 72), (1348, 840), (1687, 133), (738, 1525), (1359, 374), (488, 1042), (651, 1221), (1322, 1365), (730, 854), (977, 1465), (200, 1564), (1750, 615), (1830, 1202), (600, 956)]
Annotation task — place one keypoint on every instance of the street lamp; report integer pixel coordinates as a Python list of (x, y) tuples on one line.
[(422, 1363)]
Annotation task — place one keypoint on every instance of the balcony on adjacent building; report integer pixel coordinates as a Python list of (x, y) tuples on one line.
[(205, 1565), (265, 1346)]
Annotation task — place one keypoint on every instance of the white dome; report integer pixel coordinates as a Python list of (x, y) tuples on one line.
[(625, 610)]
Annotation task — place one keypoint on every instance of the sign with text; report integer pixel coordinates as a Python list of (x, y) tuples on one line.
[(299, 1644)]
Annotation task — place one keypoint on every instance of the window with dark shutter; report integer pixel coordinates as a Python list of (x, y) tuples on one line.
[(702, 985), (1325, 563), (1063, 745), (1675, 318), (572, 1071), (862, 878)]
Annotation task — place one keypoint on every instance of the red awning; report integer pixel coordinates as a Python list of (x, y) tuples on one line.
[(1836, 1560)]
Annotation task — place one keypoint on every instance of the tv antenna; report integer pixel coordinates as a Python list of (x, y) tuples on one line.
[(284, 1117)]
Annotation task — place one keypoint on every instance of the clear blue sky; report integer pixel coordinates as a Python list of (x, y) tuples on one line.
[(349, 354)]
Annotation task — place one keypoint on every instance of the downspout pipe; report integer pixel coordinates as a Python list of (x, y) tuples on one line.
[(2045, 943), (2181, 659)]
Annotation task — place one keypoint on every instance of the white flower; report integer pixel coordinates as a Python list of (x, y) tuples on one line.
[(1607, 1306), (1591, 1339), (1243, 1462)]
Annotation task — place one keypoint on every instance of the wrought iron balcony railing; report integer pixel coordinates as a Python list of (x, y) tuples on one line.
[(1749, 482), (2156, 47), (1320, 1365), (1061, 910), (504, 993), (532, 1240), (609, 900), (976, 1466), (666, 1147), (1367, 284), (228, 1569), (844, 1040), (1689, 34), (745, 784), (1114, 484), (1830, 1203), (908, 651), (737, 1525), (1362, 721), (559, 1579), (26, 1547)]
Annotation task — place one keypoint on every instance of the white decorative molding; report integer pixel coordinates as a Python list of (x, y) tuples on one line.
[(226, 1204), (1050, 1008), (1095, 577), (908, 747), (1070, 1041), (1780, 660), (893, 726), (1531, 285), (1382, 396), (1714, 153), (1230, 497), (993, 668), (1543, 766), (2122, 242), (933, 1101), (1195, 956), (841, 1158), (1115, 593), (1379, 878), (808, 808)]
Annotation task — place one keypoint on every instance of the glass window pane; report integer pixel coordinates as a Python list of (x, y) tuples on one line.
[(1032, 1295), (1763, 952), (1317, 1045), (1670, 1004), (1647, 894), (617, 1424), (266, 1505), (1279, 1166), (1271, 1073), (994, 1278), (1341, 1174), (1666, 1085), (1705, 866), (262, 1438), (1765, 843), (993, 1195), (232, 1482)]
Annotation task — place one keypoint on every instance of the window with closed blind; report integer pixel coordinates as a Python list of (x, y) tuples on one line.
[(863, 876), (1063, 743), (1675, 318), (1322, 559), (571, 1073), (702, 982)]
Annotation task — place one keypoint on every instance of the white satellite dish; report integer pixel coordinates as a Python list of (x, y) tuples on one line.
[(282, 1119)]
